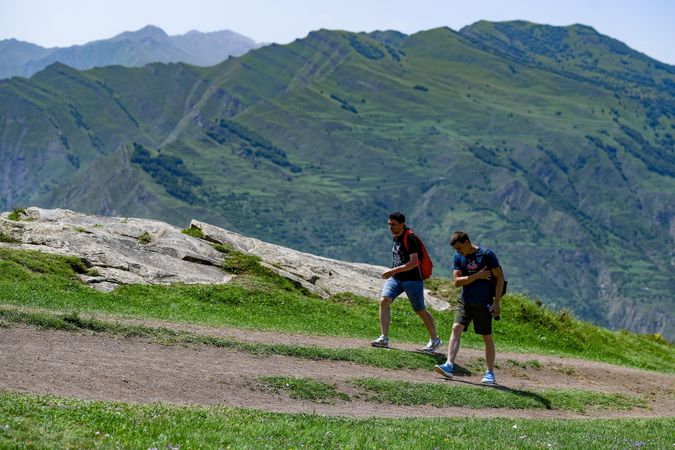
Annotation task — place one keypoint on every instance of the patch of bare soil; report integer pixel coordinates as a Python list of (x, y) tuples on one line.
[(104, 367)]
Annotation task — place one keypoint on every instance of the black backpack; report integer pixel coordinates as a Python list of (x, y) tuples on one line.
[(493, 282)]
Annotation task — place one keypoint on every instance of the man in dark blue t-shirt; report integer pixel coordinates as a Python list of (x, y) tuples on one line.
[(475, 269)]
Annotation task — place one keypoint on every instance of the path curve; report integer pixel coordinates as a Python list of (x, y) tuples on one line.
[(105, 367)]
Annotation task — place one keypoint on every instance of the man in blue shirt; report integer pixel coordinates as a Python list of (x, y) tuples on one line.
[(476, 270)]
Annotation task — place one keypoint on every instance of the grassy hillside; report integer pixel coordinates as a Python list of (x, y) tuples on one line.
[(43, 291), (559, 161), (261, 300)]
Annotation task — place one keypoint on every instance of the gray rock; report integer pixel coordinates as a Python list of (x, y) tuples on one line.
[(119, 250), (124, 251), (322, 276)]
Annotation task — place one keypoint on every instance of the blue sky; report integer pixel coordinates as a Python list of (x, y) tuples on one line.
[(645, 25)]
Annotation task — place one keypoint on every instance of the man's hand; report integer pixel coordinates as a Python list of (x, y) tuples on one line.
[(495, 310), (459, 280), (388, 274), (483, 274)]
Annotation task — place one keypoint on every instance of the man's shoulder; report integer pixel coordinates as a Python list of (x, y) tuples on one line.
[(490, 256), (410, 238), (484, 251), (490, 253)]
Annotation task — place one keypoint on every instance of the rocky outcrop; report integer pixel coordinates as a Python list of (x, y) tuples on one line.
[(125, 250), (322, 276), (119, 250)]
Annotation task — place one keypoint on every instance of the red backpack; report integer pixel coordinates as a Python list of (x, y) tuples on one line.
[(424, 261)]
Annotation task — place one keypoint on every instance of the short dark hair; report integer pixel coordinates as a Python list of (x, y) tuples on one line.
[(459, 236), (397, 216)]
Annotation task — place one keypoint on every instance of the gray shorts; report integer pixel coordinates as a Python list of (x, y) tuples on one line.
[(479, 313)]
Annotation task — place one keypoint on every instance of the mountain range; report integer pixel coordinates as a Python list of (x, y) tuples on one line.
[(553, 146), (130, 49)]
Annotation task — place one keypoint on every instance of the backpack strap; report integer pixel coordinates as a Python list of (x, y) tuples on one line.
[(485, 251), (406, 233)]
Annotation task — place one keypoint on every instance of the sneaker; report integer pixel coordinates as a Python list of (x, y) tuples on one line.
[(432, 345), (488, 378), (445, 369), (382, 341)]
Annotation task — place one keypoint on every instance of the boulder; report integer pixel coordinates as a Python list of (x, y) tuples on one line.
[(322, 276), (119, 250), (127, 250)]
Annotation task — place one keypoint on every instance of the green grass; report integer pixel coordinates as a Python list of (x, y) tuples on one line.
[(7, 239), (301, 388), (239, 263), (441, 396), (31, 421), (535, 364), (144, 238), (16, 214), (260, 300), (406, 393), (194, 232)]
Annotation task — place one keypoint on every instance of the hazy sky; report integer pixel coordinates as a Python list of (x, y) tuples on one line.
[(645, 25)]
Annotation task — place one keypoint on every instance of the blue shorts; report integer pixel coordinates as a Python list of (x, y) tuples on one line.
[(414, 289)]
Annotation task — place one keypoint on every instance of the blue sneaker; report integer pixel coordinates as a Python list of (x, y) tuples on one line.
[(445, 369), (488, 378)]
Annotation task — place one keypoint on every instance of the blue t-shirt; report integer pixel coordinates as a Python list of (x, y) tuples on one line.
[(480, 290)]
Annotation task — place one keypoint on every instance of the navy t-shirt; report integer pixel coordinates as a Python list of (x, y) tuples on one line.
[(401, 256), (480, 290)]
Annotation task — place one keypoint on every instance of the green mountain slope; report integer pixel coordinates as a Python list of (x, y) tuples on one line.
[(567, 172), (578, 51)]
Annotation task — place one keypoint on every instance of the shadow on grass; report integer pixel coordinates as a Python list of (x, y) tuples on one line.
[(546, 403), (435, 358), (528, 394)]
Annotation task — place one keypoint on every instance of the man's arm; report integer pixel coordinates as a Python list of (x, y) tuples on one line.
[(404, 268), (499, 277), (459, 280)]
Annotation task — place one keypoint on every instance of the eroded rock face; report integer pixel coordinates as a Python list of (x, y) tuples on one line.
[(125, 251), (322, 276), (120, 250)]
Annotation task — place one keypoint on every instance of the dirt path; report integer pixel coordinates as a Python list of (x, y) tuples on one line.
[(105, 367)]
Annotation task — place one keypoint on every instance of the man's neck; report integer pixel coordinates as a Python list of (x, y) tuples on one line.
[(401, 233)]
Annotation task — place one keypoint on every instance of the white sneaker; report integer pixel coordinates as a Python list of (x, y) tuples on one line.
[(432, 345), (382, 342)]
